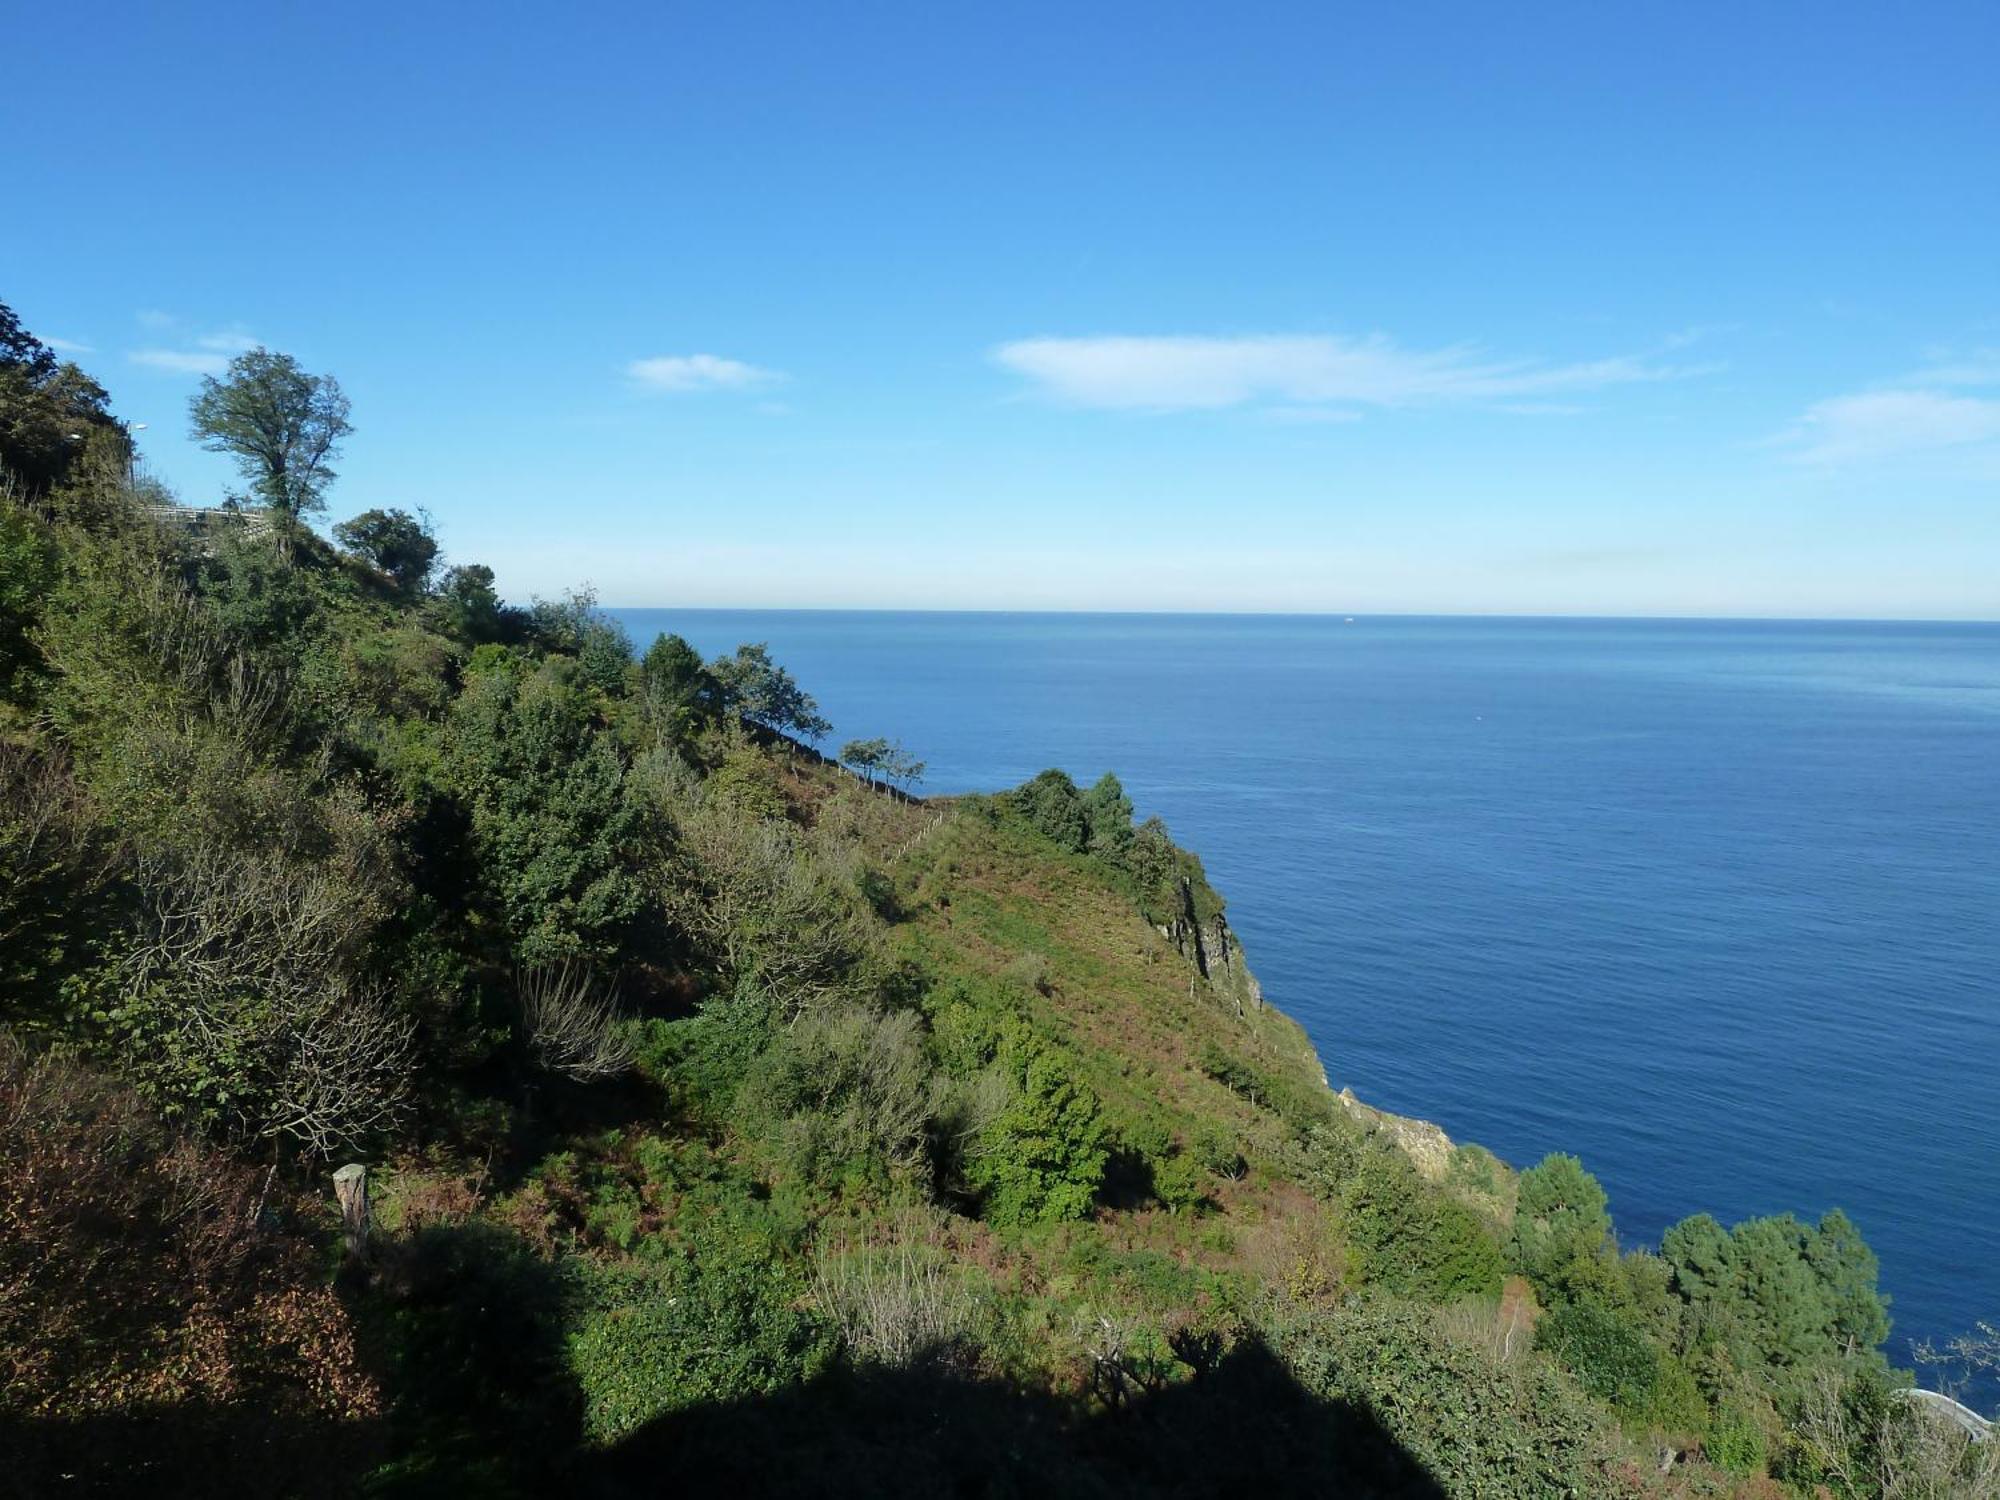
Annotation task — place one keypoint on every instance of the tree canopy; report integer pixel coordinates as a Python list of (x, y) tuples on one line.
[(282, 425)]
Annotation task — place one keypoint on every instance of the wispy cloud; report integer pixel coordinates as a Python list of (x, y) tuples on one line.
[(680, 374), (68, 346), (1965, 367), (1928, 410), (196, 353), (1183, 373), (1875, 425), (180, 361)]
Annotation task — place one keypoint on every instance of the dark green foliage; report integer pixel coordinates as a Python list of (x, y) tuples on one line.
[(281, 425), (1052, 805), (717, 1326), (259, 596), (1561, 1229), (466, 606), (765, 693), (51, 414), (28, 562), (1857, 1313), (703, 1060), (1777, 1294), (560, 840), (679, 695), (1410, 1238), (395, 542), (469, 1329), (1107, 815), (1612, 1359)]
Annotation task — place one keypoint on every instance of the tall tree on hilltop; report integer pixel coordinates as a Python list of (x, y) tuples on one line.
[(50, 411), (282, 426)]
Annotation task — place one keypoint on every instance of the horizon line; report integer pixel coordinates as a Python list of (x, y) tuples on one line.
[(1304, 614)]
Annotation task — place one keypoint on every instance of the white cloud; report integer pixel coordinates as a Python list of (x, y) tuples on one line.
[(198, 354), (180, 361), (1882, 424), (1179, 373), (68, 346), (680, 373), (1924, 411), (1974, 367)]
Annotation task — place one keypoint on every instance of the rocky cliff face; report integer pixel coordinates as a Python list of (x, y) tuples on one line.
[(1213, 950)]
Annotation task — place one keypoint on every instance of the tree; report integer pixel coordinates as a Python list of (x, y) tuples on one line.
[(282, 425), (1847, 1269), (1560, 1220), (50, 411), (680, 694), (765, 693), (902, 768), (1052, 803), (394, 541), (1108, 812), (467, 605), (866, 756)]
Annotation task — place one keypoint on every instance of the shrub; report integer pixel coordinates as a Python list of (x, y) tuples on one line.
[(698, 1330), (1411, 1239), (850, 1093), (571, 1022), (898, 1301), (1474, 1426), (142, 1274), (701, 1061), (1042, 1158), (1178, 1181), (1612, 1360), (1215, 1148)]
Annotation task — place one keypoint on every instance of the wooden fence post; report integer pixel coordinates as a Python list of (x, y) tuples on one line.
[(350, 1187)]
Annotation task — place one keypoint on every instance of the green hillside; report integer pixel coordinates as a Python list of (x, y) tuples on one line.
[(734, 1121)]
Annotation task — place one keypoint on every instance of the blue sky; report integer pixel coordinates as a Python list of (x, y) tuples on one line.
[(1647, 308)]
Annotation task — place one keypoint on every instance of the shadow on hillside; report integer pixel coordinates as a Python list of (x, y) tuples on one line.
[(1245, 1428), (234, 1452), (463, 1335)]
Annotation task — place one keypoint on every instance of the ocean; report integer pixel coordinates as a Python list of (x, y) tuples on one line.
[(1714, 905)]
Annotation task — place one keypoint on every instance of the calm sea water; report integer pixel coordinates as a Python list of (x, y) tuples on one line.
[(1714, 905)]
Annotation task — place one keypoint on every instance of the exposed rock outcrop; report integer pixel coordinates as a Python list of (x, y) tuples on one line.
[(1213, 950), (1429, 1149)]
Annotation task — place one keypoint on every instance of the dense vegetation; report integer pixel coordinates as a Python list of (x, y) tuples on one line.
[(735, 1118)]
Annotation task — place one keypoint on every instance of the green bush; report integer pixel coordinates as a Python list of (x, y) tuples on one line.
[(1560, 1223), (1052, 805), (1474, 1427), (1611, 1359), (849, 1094), (695, 1331), (1042, 1158), (1736, 1442), (1411, 1239)]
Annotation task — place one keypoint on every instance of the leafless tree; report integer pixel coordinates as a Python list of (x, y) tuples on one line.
[(1907, 1451), (244, 960), (571, 1021), (897, 1300)]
